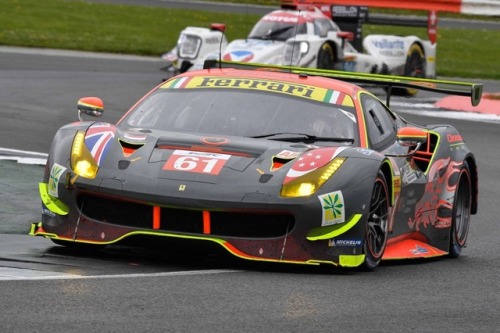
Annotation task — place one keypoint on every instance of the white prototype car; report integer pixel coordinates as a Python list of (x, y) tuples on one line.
[(305, 38)]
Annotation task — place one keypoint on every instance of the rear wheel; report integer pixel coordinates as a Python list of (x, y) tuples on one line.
[(461, 213), (376, 226), (414, 67), (326, 57)]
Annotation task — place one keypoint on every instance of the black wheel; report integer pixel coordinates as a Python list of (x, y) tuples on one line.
[(415, 62), (376, 227), (414, 67), (461, 212), (326, 57)]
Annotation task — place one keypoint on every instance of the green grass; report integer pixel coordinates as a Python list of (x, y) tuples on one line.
[(80, 25)]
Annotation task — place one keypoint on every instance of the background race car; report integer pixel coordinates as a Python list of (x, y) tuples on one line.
[(306, 37)]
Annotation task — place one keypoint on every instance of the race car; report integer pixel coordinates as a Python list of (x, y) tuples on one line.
[(305, 38), (272, 164)]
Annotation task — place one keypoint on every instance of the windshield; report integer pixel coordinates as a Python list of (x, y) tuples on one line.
[(242, 112), (280, 31)]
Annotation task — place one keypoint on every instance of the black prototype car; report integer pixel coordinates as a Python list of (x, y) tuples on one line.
[(273, 164)]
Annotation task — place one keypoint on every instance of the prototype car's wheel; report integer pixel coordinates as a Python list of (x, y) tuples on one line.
[(415, 62), (376, 227), (414, 67), (326, 57), (461, 212)]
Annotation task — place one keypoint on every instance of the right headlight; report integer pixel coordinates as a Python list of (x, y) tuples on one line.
[(309, 183)]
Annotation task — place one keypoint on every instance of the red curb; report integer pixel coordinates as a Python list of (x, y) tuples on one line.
[(490, 104)]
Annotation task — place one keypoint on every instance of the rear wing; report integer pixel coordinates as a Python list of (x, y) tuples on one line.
[(474, 90)]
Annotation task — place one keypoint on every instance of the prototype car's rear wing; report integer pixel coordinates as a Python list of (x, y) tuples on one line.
[(474, 90)]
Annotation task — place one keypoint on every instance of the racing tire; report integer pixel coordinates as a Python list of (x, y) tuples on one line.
[(415, 62), (375, 240), (326, 57), (414, 67), (461, 212)]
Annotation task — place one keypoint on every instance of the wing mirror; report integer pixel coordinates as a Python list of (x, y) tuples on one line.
[(411, 137), (91, 106), (346, 35)]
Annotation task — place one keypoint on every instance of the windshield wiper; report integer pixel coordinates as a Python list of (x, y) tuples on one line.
[(300, 137)]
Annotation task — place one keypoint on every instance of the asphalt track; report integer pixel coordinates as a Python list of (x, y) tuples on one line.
[(48, 288)]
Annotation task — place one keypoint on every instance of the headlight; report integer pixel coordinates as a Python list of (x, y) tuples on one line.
[(304, 47), (294, 51), (188, 46), (82, 162), (312, 181)]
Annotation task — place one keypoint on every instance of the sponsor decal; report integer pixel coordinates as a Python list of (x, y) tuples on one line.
[(216, 141), (454, 138), (239, 55), (98, 140), (55, 176), (333, 209), (349, 115), (389, 44), (289, 88), (198, 162), (47, 212), (409, 174), (364, 151), (288, 154), (419, 250), (353, 242)]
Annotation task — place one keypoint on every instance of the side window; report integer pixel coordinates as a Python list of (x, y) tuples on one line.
[(322, 27), (379, 121)]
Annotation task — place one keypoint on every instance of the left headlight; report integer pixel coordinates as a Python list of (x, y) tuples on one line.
[(312, 181), (82, 162), (294, 51)]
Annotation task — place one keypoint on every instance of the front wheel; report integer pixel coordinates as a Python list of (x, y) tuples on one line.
[(376, 227), (326, 57), (461, 212)]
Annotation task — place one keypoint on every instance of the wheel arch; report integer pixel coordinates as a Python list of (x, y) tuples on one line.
[(386, 169), (337, 51), (471, 162)]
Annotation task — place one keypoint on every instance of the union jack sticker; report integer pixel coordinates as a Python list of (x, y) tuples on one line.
[(98, 140)]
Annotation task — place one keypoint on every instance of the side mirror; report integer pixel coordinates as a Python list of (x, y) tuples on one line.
[(346, 35), (411, 136), (91, 106)]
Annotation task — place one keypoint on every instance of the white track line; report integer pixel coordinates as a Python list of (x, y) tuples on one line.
[(17, 274)]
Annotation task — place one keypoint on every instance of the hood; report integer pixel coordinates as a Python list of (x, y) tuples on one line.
[(155, 162)]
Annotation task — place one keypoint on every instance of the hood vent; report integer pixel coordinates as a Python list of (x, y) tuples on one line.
[(129, 148)]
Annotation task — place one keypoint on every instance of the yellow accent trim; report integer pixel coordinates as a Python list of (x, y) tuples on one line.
[(221, 242), (34, 227), (332, 231), (53, 204), (391, 182), (351, 260)]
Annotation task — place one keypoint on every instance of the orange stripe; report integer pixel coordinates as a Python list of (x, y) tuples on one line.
[(206, 222), (156, 217)]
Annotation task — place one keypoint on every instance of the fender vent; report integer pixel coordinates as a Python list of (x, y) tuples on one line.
[(424, 155)]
